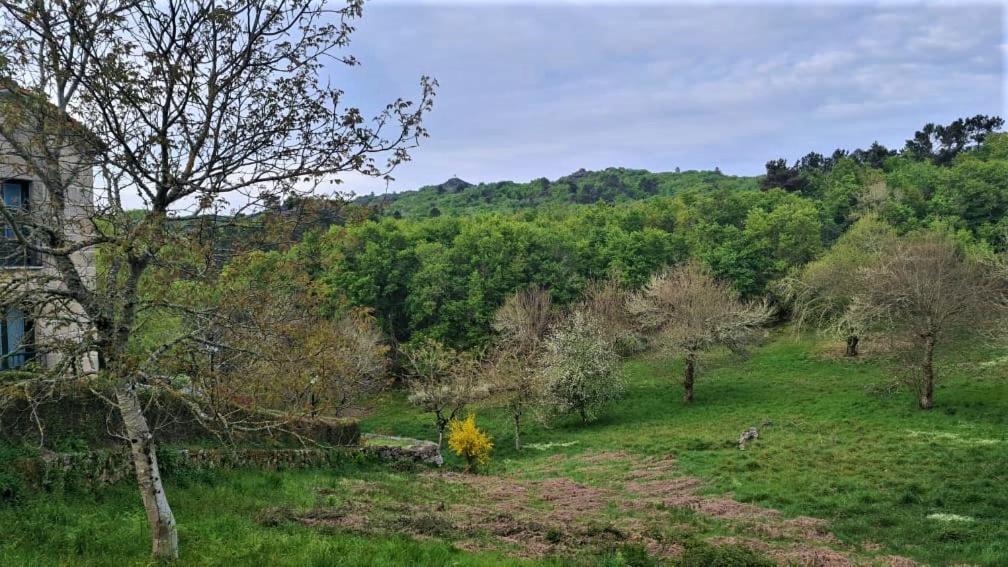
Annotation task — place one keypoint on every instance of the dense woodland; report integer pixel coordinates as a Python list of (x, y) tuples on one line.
[(442, 277)]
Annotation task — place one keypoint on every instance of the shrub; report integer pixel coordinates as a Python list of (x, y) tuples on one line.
[(581, 369), (468, 441)]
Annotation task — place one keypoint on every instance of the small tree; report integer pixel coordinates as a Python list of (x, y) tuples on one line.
[(441, 381), (470, 442), (522, 323), (691, 312), (821, 293), (581, 370), (927, 288)]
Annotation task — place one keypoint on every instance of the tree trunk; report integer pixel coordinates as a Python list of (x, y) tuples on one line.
[(584, 414), (852, 345), (927, 374), (517, 426), (164, 537), (688, 376), (442, 423)]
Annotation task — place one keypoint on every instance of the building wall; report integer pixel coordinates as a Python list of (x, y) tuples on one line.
[(60, 325)]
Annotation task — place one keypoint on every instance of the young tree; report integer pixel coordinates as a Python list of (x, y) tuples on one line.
[(581, 370), (925, 289), (691, 312), (522, 324), (822, 292), (180, 108), (442, 381)]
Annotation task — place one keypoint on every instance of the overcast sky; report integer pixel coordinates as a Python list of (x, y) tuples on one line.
[(530, 90)]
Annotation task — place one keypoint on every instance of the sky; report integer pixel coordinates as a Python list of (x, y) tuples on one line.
[(541, 89)]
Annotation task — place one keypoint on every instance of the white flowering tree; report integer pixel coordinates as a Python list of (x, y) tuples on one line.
[(581, 369)]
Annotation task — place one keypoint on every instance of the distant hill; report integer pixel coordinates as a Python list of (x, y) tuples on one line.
[(456, 196)]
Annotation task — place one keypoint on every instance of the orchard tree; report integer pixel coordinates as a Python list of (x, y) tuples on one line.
[(822, 292), (178, 109), (442, 381), (581, 370), (523, 324), (926, 289), (691, 312)]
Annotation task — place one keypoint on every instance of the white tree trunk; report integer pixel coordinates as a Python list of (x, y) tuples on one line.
[(164, 536)]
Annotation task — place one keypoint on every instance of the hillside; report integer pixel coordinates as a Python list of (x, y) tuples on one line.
[(611, 185), (841, 471)]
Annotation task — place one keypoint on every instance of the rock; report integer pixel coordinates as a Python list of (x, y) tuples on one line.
[(746, 437), (389, 448)]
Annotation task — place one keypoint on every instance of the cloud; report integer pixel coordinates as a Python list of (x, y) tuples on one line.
[(530, 90)]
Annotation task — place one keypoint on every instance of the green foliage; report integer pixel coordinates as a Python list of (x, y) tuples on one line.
[(613, 185), (11, 486), (873, 466), (444, 278)]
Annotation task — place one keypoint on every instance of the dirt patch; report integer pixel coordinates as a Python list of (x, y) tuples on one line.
[(560, 516), (571, 501)]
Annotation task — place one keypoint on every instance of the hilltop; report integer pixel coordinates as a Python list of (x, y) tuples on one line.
[(612, 185)]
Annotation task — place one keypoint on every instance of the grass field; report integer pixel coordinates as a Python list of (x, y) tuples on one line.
[(856, 475)]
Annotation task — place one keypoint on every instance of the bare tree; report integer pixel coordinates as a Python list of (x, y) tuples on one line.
[(926, 289), (608, 301), (822, 292), (178, 108), (270, 353), (691, 312), (523, 324), (442, 381)]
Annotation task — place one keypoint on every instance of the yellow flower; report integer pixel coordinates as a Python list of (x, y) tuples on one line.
[(468, 441)]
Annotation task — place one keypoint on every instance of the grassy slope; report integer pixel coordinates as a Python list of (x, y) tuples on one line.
[(873, 466)]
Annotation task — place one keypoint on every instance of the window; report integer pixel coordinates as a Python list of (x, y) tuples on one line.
[(12, 253), (16, 338)]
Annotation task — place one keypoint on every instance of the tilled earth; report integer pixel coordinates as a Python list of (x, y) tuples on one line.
[(573, 506)]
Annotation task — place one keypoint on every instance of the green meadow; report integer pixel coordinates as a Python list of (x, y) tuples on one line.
[(653, 481)]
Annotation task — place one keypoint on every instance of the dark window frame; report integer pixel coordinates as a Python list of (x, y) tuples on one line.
[(27, 346), (12, 254)]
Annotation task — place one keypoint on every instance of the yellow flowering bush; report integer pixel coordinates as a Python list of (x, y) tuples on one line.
[(468, 441)]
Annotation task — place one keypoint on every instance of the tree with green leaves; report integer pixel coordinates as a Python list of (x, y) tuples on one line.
[(822, 292), (187, 108)]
